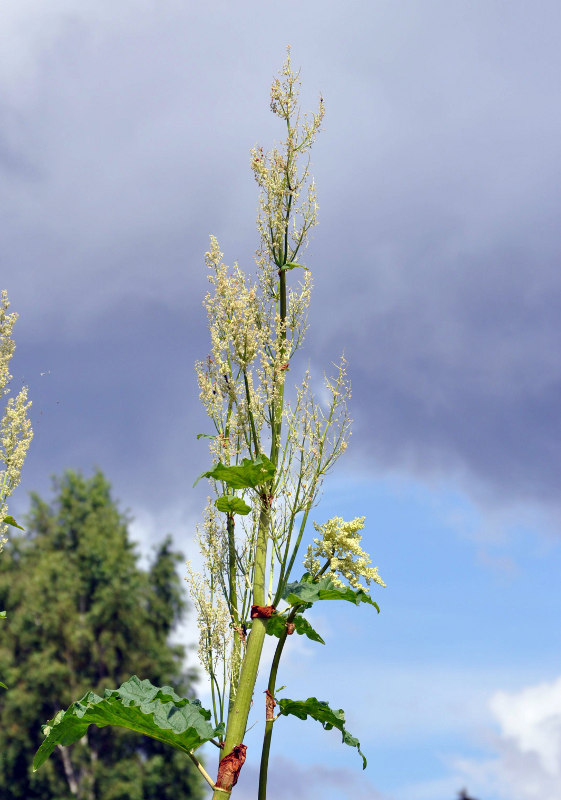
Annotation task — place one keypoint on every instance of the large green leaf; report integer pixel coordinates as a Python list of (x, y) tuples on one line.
[(306, 590), (232, 505), (277, 624), (138, 706), (247, 475), (320, 711)]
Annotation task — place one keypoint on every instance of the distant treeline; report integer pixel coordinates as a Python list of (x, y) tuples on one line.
[(82, 615)]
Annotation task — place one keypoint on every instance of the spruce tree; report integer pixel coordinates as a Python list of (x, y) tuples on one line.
[(83, 615)]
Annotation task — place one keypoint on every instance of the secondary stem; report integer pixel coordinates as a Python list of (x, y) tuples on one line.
[(268, 735)]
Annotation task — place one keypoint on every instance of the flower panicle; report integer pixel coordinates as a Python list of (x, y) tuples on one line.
[(15, 426), (288, 206), (340, 545)]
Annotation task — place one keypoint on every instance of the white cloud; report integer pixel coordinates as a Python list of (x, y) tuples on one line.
[(532, 719), (528, 761)]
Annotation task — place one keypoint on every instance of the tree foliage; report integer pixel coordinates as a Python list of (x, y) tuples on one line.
[(82, 615)]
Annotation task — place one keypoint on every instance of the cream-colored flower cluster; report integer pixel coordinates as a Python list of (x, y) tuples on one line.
[(284, 219), (251, 348), (236, 322), (15, 426), (207, 592), (213, 620), (316, 435), (340, 545), (217, 654)]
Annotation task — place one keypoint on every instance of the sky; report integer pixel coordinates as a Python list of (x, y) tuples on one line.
[(125, 130)]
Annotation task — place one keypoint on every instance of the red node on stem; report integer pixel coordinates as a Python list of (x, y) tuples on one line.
[(262, 612), (229, 768), (269, 705)]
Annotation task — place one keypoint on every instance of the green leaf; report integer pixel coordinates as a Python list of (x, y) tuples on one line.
[(3, 685), (138, 706), (292, 265), (277, 624), (306, 590), (232, 505), (302, 626), (205, 436), (9, 520), (2, 615), (247, 475), (320, 711)]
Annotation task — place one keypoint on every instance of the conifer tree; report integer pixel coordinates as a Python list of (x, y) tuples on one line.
[(83, 615)]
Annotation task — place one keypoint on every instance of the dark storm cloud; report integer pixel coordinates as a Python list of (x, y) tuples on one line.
[(126, 142), (450, 313)]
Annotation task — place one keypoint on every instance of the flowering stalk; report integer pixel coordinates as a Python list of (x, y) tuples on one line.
[(15, 426), (256, 330)]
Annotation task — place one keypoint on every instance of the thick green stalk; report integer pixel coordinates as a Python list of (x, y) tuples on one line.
[(260, 562), (239, 709), (237, 718)]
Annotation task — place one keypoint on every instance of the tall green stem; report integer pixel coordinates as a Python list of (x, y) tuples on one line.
[(239, 708)]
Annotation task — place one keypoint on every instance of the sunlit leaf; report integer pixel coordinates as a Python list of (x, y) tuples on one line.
[(138, 706), (277, 624), (9, 520), (306, 590), (247, 475), (320, 711), (303, 627), (232, 505), (293, 265)]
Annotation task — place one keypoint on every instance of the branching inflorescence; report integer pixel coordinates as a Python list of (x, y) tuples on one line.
[(15, 426), (260, 421)]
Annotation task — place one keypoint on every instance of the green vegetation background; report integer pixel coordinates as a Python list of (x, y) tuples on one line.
[(82, 615)]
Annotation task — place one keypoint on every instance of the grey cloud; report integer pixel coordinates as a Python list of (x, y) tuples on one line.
[(126, 143), (288, 779)]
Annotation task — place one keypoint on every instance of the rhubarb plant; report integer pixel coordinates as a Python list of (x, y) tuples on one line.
[(272, 441)]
